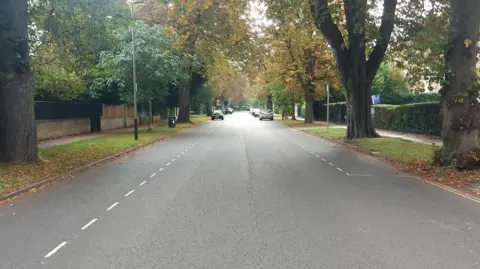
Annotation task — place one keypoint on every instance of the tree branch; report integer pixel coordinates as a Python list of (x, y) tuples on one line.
[(324, 22), (385, 32)]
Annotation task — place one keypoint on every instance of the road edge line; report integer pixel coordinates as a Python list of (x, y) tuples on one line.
[(382, 158)]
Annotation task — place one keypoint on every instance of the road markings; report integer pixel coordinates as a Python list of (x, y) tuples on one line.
[(178, 156), (154, 174), (88, 224), (174, 160), (168, 164), (357, 175), (324, 160), (112, 206), (339, 169), (141, 184), (159, 170), (128, 193), (331, 164), (317, 156), (56, 249), (186, 150), (183, 152)]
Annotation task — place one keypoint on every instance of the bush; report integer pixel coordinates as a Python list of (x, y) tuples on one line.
[(338, 111), (422, 118)]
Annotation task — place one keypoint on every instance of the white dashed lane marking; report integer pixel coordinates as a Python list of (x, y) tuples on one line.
[(88, 224), (128, 193), (154, 174), (168, 164), (339, 169), (141, 184), (56, 249), (159, 170), (112, 206)]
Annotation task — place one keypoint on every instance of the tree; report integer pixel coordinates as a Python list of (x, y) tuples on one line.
[(159, 65), (460, 92), (356, 73), (67, 38), (18, 137)]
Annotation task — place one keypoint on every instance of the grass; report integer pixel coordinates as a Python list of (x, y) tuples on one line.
[(332, 132), (395, 148), (60, 159), (296, 123)]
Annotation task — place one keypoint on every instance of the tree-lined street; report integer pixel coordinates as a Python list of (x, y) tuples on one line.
[(241, 193)]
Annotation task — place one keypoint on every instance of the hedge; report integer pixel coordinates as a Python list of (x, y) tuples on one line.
[(338, 111), (422, 118)]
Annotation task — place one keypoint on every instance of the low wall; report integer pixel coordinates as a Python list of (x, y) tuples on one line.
[(115, 123), (48, 129)]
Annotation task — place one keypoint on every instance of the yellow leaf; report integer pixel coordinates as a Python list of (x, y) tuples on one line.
[(467, 43)]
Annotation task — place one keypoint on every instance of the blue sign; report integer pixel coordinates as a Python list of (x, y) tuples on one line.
[(376, 100)]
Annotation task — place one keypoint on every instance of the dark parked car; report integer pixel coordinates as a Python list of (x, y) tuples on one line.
[(217, 114), (265, 114)]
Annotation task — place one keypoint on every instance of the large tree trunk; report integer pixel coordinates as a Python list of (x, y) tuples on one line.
[(293, 111), (184, 102), (359, 115), (18, 134), (460, 104), (270, 102), (309, 106)]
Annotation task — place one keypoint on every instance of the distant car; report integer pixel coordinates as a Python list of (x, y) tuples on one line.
[(265, 114), (256, 112), (229, 111), (217, 114)]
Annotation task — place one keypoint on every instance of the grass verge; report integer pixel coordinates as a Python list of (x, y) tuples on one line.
[(297, 123), (61, 159)]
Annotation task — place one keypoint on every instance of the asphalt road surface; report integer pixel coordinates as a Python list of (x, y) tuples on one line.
[(241, 193)]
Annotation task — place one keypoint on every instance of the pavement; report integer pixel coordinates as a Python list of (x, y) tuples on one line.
[(420, 138), (241, 193)]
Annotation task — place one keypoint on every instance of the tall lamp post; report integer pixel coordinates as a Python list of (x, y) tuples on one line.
[(135, 114)]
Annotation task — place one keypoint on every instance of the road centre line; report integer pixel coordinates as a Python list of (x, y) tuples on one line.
[(141, 184), (168, 164), (316, 155), (88, 224), (178, 156), (331, 164), (128, 193), (112, 206), (159, 170), (56, 249), (339, 169), (154, 174), (174, 160)]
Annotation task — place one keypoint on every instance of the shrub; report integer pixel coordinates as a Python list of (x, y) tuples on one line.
[(338, 111), (422, 118)]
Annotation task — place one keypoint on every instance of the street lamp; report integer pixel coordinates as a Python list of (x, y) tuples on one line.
[(135, 115)]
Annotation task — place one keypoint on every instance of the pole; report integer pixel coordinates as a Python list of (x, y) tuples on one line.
[(135, 116), (328, 107)]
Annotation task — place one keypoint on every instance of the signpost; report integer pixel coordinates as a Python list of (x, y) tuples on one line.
[(328, 107)]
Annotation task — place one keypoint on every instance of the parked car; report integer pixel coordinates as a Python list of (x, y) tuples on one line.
[(229, 111), (256, 112), (217, 114), (265, 114)]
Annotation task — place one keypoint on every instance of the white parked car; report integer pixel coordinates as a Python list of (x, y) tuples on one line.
[(265, 114)]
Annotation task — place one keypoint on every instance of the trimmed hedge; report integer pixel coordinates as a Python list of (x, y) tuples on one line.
[(338, 111), (422, 118)]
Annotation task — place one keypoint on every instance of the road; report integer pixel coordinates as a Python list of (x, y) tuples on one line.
[(241, 193)]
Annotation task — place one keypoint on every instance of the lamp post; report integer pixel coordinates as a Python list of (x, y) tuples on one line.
[(135, 114)]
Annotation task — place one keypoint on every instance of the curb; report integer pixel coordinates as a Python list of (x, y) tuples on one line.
[(61, 176)]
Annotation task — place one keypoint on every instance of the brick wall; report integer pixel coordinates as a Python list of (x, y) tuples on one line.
[(48, 129)]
